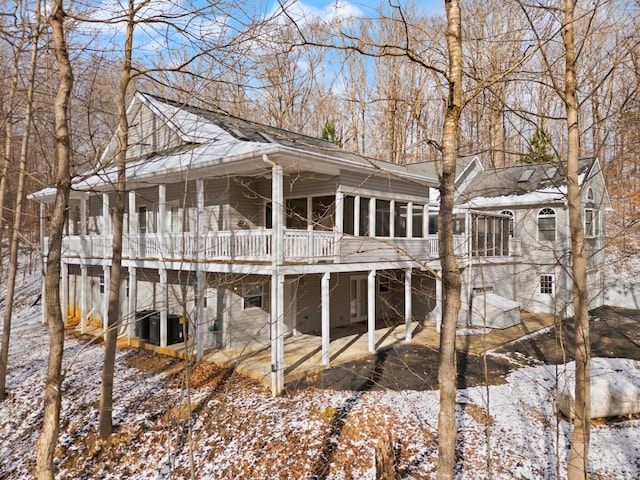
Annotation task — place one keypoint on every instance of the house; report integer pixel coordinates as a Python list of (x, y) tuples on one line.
[(537, 275), (238, 234)]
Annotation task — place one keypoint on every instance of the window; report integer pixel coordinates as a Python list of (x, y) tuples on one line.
[(322, 212), (297, 213), (591, 222), (384, 285), (364, 217), (268, 215), (417, 221), (546, 284), (590, 194), (509, 213), (175, 223), (383, 218), (400, 220), (101, 283), (547, 225), (142, 219), (252, 294), (349, 212)]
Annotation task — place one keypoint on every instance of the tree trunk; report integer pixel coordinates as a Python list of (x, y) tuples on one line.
[(581, 423), (113, 311), (53, 392), (17, 217), (451, 278)]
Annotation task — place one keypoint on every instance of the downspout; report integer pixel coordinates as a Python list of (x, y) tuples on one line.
[(469, 260)]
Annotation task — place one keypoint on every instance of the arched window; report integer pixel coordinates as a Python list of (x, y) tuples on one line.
[(509, 213), (547, 225), (590, 196)]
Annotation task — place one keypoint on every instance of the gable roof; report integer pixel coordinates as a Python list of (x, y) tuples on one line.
[(523, 184), (196, 139)]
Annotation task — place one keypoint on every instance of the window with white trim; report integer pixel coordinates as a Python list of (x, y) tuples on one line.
[(509, 213), (546, 284), (547, 225), (591, 222), (101, 283), (590, 196), (252, 294)]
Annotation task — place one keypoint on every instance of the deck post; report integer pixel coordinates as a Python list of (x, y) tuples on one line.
[(326, 318), (436, 313), (372, 217), (392, 218), (409, 225), (164, 305), (133, 298), (407, 305), (133, 226), (199, 271), (106, 273), (43, 257), (356, 216), (277, 279), (83, 228), (64, 291), (371, 310), (84, 303), (106, 216), (162, 217)]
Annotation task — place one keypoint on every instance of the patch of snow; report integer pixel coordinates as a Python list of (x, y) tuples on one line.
[(505, 431)]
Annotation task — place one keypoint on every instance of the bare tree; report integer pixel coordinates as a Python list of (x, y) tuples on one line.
[(53, 391), (581, 423), (113, 312), (20, 200)]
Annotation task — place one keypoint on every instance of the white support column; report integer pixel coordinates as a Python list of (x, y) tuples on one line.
[(310, 212), (392, 218), (425, 221), (371, 310), (326, 318), (106, 272), (280, 333), (106, 215), (133, 226), (200, 326), (83, 227), (277, 280), (133, 300), (339, 212), (163, 307), (162, 219), (356, 215), (64, 290), (436, 313), (372, 217), (43, 257), (409, 224), (84, 299), (408, 311)]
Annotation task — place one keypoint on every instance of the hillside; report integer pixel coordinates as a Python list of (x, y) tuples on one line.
[(238, 431)]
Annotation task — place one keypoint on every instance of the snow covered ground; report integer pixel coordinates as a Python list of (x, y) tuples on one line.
[(238, 431)]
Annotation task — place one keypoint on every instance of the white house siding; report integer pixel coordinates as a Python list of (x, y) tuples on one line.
[(248, 328), (384, 185), (246, 205), (148, 133)]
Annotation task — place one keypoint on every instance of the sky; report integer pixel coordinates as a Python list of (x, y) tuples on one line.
[(431, 7)]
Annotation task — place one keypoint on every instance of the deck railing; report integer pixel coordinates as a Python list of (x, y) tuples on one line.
[(307, 246)]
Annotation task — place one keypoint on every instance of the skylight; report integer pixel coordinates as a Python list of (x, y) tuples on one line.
[(551, 172), (526, 175)]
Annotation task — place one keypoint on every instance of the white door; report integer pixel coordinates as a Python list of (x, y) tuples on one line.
[(358, 298)]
